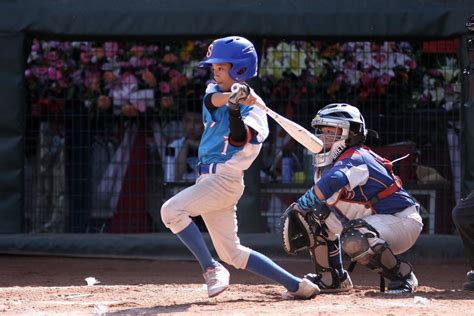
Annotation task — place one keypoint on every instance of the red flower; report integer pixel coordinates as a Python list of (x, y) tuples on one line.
[(149, 78), (166, 102), (52, 106), (170, 58), (129, 110)]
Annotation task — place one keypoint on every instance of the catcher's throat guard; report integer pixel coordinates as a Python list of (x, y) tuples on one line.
[(296, 231)]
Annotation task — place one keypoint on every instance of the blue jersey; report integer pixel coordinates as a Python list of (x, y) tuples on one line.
[(215, 146), (356, 177)]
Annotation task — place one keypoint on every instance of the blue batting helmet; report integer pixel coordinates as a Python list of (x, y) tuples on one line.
[(234, 50)]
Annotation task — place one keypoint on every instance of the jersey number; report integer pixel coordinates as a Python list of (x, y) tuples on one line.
[(226, 145)]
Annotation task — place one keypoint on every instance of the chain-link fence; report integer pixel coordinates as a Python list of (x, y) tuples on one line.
[(112, 128)]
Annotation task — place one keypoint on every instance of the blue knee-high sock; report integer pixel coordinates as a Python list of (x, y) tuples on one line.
[(264, 266), (192, 238), (335, 257)]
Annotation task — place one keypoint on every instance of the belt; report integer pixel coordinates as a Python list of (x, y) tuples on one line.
[(207, 168)]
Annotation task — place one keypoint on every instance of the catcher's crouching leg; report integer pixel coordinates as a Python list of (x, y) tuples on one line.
[(305, 232), (330, 275), (379, 257)]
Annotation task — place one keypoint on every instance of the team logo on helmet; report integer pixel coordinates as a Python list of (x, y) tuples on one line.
[(209, 51)]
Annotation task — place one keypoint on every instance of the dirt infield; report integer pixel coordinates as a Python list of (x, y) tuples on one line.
[(54, 285)]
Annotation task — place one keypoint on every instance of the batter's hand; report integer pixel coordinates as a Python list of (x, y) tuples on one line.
[(241, 94)]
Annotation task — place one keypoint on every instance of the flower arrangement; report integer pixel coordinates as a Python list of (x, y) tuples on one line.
[(125, 79), (387, 77)]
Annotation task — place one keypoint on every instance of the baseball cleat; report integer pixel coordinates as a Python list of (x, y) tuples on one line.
[(306, 290), (338, 284), (217, 280), (404, 286)]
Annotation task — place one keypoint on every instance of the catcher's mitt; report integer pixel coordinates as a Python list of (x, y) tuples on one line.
[(297, 233)]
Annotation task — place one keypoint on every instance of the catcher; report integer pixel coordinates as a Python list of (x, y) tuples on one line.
[(357, 204)]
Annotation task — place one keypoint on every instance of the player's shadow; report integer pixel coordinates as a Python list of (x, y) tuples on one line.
[(204, 306)]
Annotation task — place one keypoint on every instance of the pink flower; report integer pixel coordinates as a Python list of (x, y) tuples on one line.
[(147, 62), (363, 96), (65, 46), (380, 90), (349, 65), (139, 105), (59, 63), (52, 55), (92, 80), (85, 57), (134, 61), (425, 99), (379, 58), (77, 77), (85, 47), (152, 48), (368, 67), (137, 50), (35, 47), (410, 63), (173, 73), (341, 78), (165, 87), (40, 71), (448, 88), (28, 73), (366, 80), (384, 80), (54, 44), (435, 73), (128, 79), (311, 79), (111, 49), (54, 74), (125, 64)]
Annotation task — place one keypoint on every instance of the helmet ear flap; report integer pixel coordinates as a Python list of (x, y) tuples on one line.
[(357, 134)]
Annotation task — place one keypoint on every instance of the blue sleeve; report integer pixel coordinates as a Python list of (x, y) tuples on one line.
[(332, 182)]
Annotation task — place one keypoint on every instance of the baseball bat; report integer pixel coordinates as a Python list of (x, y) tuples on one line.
[(298, 132)]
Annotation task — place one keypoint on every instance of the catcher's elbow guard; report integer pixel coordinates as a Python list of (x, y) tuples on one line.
[(296, 231)]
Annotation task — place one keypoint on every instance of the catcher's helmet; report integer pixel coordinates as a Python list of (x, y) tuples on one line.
[(237, 51), (348, 119)]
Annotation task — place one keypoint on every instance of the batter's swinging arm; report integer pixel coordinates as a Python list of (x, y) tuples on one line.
[(298, 132)]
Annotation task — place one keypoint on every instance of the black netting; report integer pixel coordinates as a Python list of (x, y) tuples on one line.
[(108, 121)]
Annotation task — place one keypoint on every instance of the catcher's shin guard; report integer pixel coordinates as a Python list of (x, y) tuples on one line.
[(330, 275), (335, 284), (378, 258)]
